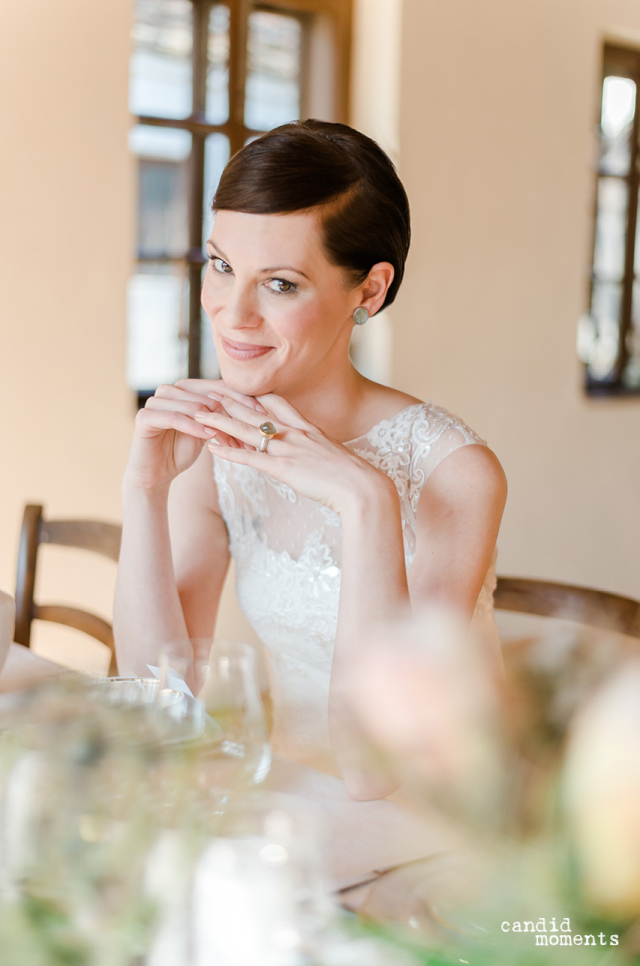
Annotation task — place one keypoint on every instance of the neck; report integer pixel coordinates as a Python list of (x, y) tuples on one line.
[(331, 399)]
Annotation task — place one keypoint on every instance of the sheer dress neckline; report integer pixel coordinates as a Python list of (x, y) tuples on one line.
[(384, 423)]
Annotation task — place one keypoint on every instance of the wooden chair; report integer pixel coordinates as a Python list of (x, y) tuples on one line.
[(94, 535), (595, 608)]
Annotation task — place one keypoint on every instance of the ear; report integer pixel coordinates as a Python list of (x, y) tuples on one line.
[(374, 288)]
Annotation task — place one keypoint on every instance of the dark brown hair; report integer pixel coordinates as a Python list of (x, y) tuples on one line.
[(309, 164)]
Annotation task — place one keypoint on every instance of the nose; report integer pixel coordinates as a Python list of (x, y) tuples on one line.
[(234, 306)]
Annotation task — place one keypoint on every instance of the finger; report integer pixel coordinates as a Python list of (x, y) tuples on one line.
[(182, 404), (248, 456), (282, 409), (189, 409), (199, 386), (152, 422), (250, 414), (240, 430), (224, 392), (206, 386)]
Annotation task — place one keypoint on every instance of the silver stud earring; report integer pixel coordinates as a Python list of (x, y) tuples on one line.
[(360, 315)]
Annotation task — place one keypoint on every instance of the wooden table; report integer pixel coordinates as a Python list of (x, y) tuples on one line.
[(363, 836)]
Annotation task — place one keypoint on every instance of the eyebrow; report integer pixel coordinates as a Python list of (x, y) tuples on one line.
[(265, 271)]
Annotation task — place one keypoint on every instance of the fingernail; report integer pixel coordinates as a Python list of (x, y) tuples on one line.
[(209, 431), (214, 395), (200, 416)]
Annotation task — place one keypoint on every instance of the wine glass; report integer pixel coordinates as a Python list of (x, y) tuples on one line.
[(239, 754)]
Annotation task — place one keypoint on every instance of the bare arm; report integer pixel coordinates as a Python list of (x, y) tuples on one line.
[(174, 552), (173, 562), (200, 546), (457, 525)]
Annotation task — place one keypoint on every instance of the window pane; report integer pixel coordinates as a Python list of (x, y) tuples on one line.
[(636, 250), (599, 333), (158, 310), (631, 374), (611, 228), (273, 74), (161, 70), (616, 124), (217, 107), (162, 190), (216, 155)]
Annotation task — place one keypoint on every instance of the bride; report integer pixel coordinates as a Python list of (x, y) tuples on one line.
[(340, 500)]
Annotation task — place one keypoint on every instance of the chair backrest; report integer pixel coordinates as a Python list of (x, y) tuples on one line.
[(95, 535), (595, 608)]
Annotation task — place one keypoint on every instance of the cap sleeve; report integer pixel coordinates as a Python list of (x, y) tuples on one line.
[(435, 434)]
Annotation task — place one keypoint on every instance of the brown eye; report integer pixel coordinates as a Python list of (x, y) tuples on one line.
[(219, 265), (283, 286)]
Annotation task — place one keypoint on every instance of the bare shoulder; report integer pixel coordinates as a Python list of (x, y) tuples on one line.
[(470, 473), (383, 402), (388, 397)]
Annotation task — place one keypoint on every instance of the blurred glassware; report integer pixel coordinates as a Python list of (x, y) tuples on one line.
[(259, 893), (77, 821), (240, 755), (177, 715), (133, 690)]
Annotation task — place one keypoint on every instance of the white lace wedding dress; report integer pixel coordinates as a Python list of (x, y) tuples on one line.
[(287, 551)]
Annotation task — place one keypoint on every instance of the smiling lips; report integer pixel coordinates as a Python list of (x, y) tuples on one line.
[(244, 350)]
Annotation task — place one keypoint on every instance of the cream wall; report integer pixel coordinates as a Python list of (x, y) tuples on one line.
[(65, 244), (498, 105)]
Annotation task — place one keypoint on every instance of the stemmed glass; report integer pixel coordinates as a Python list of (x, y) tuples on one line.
[(239, 753)]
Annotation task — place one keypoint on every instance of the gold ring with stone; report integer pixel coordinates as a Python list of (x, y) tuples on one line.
[(268, 431)]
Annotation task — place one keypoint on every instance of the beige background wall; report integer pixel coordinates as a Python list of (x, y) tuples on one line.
[(498, 105), (488, 106), (65, 244)]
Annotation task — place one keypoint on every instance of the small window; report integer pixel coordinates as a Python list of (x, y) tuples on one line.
[(609, 333), (207, 77)]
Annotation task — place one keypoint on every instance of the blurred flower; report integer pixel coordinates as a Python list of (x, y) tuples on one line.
[(602, 794), (427, 698)]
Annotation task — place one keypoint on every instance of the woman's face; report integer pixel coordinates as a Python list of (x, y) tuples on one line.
[(281, 312)]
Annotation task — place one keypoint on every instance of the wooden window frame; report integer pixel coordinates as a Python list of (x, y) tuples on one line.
[(325, 22), (620, 61)]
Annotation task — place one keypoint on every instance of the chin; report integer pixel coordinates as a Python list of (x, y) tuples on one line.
[(249, 383)]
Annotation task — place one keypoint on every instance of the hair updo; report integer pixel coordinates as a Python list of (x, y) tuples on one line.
[(309, 164)]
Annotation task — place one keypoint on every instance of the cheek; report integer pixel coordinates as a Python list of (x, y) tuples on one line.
[(212, 294), (206, 298), (301, 323)]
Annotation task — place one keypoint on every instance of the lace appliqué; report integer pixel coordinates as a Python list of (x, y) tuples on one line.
[(402, 447)]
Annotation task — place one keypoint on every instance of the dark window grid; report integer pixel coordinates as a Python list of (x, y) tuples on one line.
[(620, 62)]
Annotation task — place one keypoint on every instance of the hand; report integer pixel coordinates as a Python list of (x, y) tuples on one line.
[(167, 440), (300, 454)]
